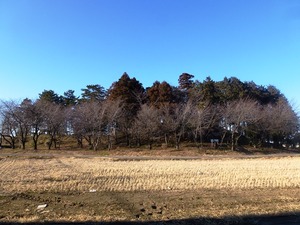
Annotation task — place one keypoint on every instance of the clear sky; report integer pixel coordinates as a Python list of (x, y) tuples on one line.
[(67, 44)]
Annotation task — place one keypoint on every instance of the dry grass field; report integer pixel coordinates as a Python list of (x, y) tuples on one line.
[(83, 174), (95, 188)]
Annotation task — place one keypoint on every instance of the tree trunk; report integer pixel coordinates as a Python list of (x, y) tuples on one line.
[(79, 142), (11, 141), (195, 133), (22, 143), (23, 137), (223, 137), (150, 146), (89, 140), (109, 142), (49, 144), (127, 140), (96, 143), (35, 139), (177, 141), (201, 140), (166, 139), (233, 141)]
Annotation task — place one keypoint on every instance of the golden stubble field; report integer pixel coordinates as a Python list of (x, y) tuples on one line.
[(95, 188)]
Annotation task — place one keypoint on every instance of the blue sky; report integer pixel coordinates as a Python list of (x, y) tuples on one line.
[(68, 44)]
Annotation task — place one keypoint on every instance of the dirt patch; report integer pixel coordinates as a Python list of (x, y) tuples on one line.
[(226, 205)]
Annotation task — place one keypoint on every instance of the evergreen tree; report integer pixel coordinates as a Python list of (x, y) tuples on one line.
[(160, 93), (185, 85), (231, 89), (50, 96), (185, 81), (93, 92), (69, 99), (129, 90), (208, 92), (131, 93)]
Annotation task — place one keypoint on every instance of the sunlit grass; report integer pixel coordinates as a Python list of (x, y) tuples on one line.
[(83, 174)]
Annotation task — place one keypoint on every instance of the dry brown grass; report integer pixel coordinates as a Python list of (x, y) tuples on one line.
[(83, 174), (181, 188)]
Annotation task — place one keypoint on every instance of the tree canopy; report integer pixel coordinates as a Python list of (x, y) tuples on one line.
[(231, 111)]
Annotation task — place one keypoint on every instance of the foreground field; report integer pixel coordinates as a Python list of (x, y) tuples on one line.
[(103, 189)]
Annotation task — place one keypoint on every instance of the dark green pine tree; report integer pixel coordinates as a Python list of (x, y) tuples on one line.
[(231, 89), (93, 92), (208, 92), (186, 85), (50, 96), (185, 81), (69, 99)]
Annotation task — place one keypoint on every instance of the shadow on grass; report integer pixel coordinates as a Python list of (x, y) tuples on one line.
[(280, 219), (266, 151), (244, 150)]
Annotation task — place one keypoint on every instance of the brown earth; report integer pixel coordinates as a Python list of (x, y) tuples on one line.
[(156, 153), (159, 206)]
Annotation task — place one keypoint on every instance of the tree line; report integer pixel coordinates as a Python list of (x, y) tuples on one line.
[(230, 112)]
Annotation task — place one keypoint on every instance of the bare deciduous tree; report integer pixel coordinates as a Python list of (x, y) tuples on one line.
[(9, 126), (93, 120), (113, 113), (36, 121), (55, 121), (237, 115), (147, 124), (77, 123), (15, 126), (202, 119), (283, 121), (175, 120)]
